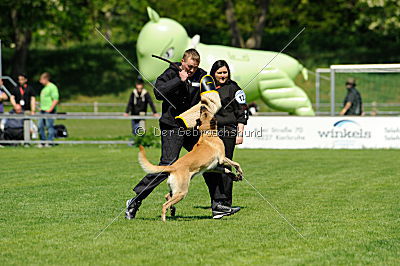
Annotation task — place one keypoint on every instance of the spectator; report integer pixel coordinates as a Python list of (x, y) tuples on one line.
[(14, 128), (138, 102), (48, 102), (352, 104), (23, 96), (3, 97)]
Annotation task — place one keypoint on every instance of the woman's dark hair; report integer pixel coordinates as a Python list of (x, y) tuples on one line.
[(217, 65)]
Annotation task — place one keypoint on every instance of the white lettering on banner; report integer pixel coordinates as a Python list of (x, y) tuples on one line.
[(323, 132)]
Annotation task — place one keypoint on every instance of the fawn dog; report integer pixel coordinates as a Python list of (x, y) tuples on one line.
[(206, 154)]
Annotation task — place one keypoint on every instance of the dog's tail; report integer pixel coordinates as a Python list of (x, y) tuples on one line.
[(149, 167)]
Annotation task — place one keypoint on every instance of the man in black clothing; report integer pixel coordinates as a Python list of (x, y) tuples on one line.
[(179, 89), (23, 96), (352, 104), (138, 102)]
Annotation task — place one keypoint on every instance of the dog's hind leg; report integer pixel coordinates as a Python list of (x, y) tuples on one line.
[(172, 208), (178, 196)]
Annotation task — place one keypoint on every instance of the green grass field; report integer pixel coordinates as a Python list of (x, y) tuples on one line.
[(55, 201)]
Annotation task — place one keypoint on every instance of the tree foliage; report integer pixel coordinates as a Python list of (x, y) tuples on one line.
[(340, 31)]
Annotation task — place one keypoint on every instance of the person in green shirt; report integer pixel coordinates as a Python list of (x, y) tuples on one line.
[(49, 98)]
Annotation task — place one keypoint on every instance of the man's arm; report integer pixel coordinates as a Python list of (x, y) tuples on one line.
[(55, 95), (53, 105), (345, 108), (12, 100), (150, 101), (240, 132), (16, 106), (3, 96), (129, 107), (33, 105), (167, 83)]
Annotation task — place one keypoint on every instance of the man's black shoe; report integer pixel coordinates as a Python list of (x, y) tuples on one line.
[(132, 207), (220, 211)]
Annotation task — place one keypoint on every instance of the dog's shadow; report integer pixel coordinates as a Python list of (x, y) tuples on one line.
[(189, 217), (178, 218)]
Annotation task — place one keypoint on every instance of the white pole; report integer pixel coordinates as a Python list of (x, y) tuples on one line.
[(332, 92), (1, 66), (317, 85)]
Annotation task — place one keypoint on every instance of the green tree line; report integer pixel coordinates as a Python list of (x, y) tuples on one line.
[(60, 37)]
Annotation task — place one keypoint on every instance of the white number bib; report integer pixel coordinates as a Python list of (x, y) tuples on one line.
[(240, 97)]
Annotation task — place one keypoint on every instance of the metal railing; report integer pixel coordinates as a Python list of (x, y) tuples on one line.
[(27, 119), (375, 106)]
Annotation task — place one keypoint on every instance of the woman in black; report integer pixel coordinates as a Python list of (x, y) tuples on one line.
[(231, 119)]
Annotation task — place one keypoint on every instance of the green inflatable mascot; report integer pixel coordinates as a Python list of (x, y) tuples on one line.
[(274, 85)]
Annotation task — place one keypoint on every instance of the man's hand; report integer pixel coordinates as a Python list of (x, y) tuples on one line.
[(239, 137), (126, 114), (239, 140), (183, 75), (3, 97), (156, 115)]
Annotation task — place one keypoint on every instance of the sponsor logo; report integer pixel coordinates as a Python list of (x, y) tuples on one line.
[(345, 129)]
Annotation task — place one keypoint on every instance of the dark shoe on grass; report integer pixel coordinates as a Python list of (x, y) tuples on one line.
[(220, 211), (132, 207)]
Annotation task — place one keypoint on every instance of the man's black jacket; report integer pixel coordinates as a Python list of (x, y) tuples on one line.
[(138, 102), (177, 96), (354, 97)]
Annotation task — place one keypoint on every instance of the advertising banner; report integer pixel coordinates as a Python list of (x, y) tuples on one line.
[(322, 132)]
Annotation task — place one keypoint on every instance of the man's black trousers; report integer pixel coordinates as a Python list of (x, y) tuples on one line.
[(220, 185), (172, 141)]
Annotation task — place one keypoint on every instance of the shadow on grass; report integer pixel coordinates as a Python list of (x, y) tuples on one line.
[(178, 218), (190, 217), (209, 207)]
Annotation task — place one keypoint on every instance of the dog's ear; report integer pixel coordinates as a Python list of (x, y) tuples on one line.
[(203, 109)]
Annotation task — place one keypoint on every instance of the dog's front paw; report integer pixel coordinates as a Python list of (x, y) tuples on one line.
[(232, 175), (236, 177), (239, 170)]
